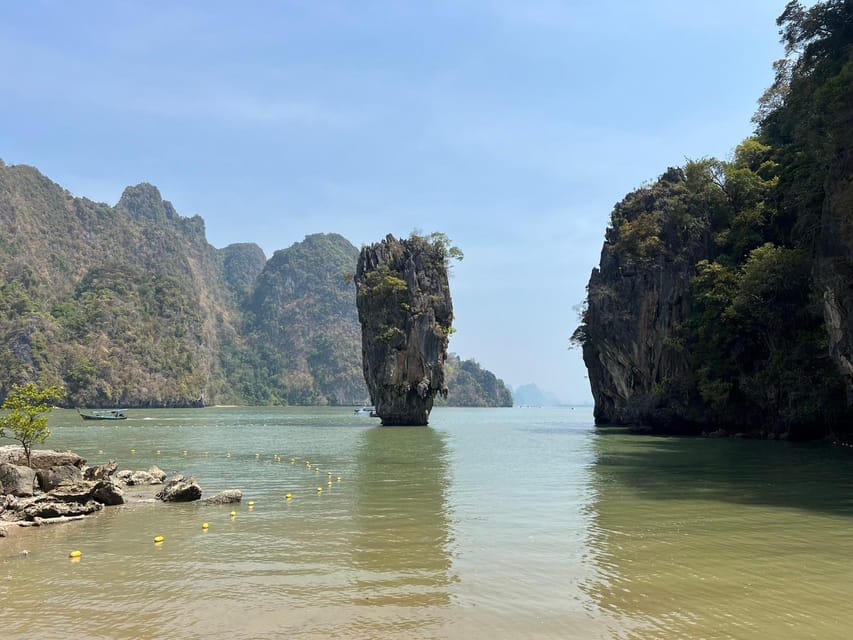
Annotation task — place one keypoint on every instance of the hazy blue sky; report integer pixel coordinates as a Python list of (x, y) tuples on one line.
[(514, 127)]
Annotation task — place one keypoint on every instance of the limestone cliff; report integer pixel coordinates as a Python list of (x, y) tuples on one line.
[(130, 305), (302, 324), (405, 310), (637, 302), (834, 264)]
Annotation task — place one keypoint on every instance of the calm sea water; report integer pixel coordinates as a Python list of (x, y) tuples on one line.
[(504, 523)]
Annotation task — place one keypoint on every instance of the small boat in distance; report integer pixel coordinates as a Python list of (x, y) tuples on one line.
[(365, 411), (103, 414)]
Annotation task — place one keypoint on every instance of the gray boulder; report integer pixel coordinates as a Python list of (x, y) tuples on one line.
[(108, 493), (133, 478), (101, 471), (180, 489), (8, 507), (157, 473), (17, 480), (45, 506), (225, 497), (55, 476), (40, 458), (73, 491)]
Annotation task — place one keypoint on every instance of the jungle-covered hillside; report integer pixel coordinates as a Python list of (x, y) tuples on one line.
[(130, 305)]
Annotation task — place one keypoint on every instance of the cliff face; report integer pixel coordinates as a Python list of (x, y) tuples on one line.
[(242, 263), (121, 305), (726, 300), (405, 310), (834, 266), (638, 300), (302, 324)]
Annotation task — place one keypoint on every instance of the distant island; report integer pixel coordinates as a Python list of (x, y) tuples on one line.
[(131, 306), (723, 301), (529, 395)]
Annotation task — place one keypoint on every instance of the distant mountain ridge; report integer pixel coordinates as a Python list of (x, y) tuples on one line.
[(130, 305)]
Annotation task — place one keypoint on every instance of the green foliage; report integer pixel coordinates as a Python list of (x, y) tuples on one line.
[(758, 344), (388, 334), (382, 283), (641, 236), (304, 340), (760, 239), (472, 386), (26, 422), (441, 243)]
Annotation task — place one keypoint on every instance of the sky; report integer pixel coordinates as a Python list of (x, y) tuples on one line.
[(511, 126)]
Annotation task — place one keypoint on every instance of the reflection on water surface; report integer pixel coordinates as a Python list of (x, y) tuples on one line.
[(521, 523)]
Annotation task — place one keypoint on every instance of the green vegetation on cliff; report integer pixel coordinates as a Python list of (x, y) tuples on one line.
[(129, 305), (302, 327), (721, 296), (472, 386)]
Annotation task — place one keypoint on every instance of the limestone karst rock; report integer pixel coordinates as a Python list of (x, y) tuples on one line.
[(405, 310)]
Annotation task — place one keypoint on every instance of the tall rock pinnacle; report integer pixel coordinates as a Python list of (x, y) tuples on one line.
[(406, 313)]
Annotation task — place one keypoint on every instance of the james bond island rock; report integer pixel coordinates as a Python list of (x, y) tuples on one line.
[(406, 313)]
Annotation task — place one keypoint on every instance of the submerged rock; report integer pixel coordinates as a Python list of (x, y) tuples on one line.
[(134, 478), (405, 310), (228, 496)]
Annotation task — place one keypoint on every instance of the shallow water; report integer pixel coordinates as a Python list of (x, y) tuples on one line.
[(503, 523)]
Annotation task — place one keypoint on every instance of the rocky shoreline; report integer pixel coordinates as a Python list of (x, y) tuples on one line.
[(59, 487)]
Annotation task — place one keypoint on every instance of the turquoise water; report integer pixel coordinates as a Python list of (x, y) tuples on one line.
[(498, 523)]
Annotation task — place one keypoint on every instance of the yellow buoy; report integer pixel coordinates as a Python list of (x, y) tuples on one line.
[(289, 496), (292, 460), (330, 483), (205, 526), (75, 554), (158, 452), (159, 539), (251, 503), (233, 514), (339, 478), (133, 451), (227, 455), (319, 489)]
